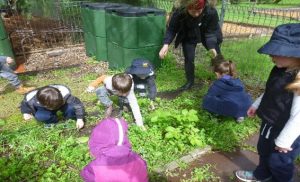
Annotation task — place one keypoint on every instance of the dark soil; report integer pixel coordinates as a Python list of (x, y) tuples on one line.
[(172, 94)]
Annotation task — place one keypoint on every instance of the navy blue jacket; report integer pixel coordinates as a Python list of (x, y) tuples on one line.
[(30, 102), (145, 87), (204, 28), (227, 97), (275, 106)]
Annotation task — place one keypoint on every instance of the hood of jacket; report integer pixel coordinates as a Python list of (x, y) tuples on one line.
[(110, 138), (229, 84)]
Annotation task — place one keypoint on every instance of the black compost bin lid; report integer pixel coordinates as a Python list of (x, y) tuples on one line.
[(103, 6), (138, 11), (117, 8), (85, 5)]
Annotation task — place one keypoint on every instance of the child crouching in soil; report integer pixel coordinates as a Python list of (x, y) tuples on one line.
[(121, 85), (44, 103)]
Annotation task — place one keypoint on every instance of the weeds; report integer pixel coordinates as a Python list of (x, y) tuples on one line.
[(174, 128)]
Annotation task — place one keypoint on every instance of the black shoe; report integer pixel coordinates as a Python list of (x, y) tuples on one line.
[(187, 86)]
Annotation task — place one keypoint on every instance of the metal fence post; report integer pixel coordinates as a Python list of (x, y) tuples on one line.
[(222, 15)]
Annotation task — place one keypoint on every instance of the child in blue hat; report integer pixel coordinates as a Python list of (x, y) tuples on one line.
[(143, 77), (279, 109)]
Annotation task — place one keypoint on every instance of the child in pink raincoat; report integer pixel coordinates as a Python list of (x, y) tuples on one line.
[(114, 159)]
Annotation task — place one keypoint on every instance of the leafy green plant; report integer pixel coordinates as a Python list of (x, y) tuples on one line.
[(203, 174)]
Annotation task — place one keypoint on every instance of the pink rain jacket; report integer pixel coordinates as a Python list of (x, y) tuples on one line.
[(114, 160)]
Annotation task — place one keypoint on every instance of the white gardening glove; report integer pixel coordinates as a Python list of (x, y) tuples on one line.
[(9, 60), (90, 89), (163, 51), (27, 116), (79, 123), (212, 53)]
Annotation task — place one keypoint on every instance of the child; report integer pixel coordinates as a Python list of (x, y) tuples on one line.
[(44, 103), (279, 109), (227, 95), (195, 22), (143, 78), (114, 158), (8, 73), (121, 85)]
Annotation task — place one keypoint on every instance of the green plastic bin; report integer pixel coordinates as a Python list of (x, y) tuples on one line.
[(93, 21), (86, 17), (3, 33), (95, 46), (5, 48), (120, 57), (93, 16), (135, 27), (90, 44), (101, 48)]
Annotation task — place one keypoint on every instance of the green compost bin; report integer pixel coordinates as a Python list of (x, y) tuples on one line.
[(5, 48), (135, 27), (93, 17), (86, 17), (95, 46), (93, 21), (120, 57), (3, 33), (90, 44)]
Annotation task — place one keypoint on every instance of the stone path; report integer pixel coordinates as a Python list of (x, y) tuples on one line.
[(225, 163)]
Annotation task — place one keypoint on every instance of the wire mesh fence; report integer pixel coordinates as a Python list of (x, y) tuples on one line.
[(53, 24)]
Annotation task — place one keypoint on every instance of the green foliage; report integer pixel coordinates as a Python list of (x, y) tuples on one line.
[(174, 128), (203, 174), (179, 128), (253, 68)]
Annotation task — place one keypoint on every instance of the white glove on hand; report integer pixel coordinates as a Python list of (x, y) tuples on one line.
[(9, 60), (79, 123), (27, 116), (90, 89), (163, 51), (212, 53)]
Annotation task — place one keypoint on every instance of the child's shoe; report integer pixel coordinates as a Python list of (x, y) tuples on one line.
[(23, 90), (248, 176), (240, 119)]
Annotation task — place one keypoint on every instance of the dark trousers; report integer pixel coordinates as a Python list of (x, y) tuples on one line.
[(48, 116), (123, 101), (271, 162), (189, 57)]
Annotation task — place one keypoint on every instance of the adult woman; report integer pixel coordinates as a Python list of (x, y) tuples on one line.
[(193, 23)]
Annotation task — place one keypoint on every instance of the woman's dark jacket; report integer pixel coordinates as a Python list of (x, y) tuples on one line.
[(204, 28), (227, 97)]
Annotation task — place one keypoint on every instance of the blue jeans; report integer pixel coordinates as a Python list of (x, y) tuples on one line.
[(271, 162), (7, 73), (48, 116)]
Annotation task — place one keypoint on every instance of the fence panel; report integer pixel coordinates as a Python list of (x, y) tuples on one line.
[(245, 27)]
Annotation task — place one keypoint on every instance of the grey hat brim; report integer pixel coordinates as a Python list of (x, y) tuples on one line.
[(277, 48)]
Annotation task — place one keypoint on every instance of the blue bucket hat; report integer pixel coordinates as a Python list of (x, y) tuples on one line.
[(140, 67), (285, 41)]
